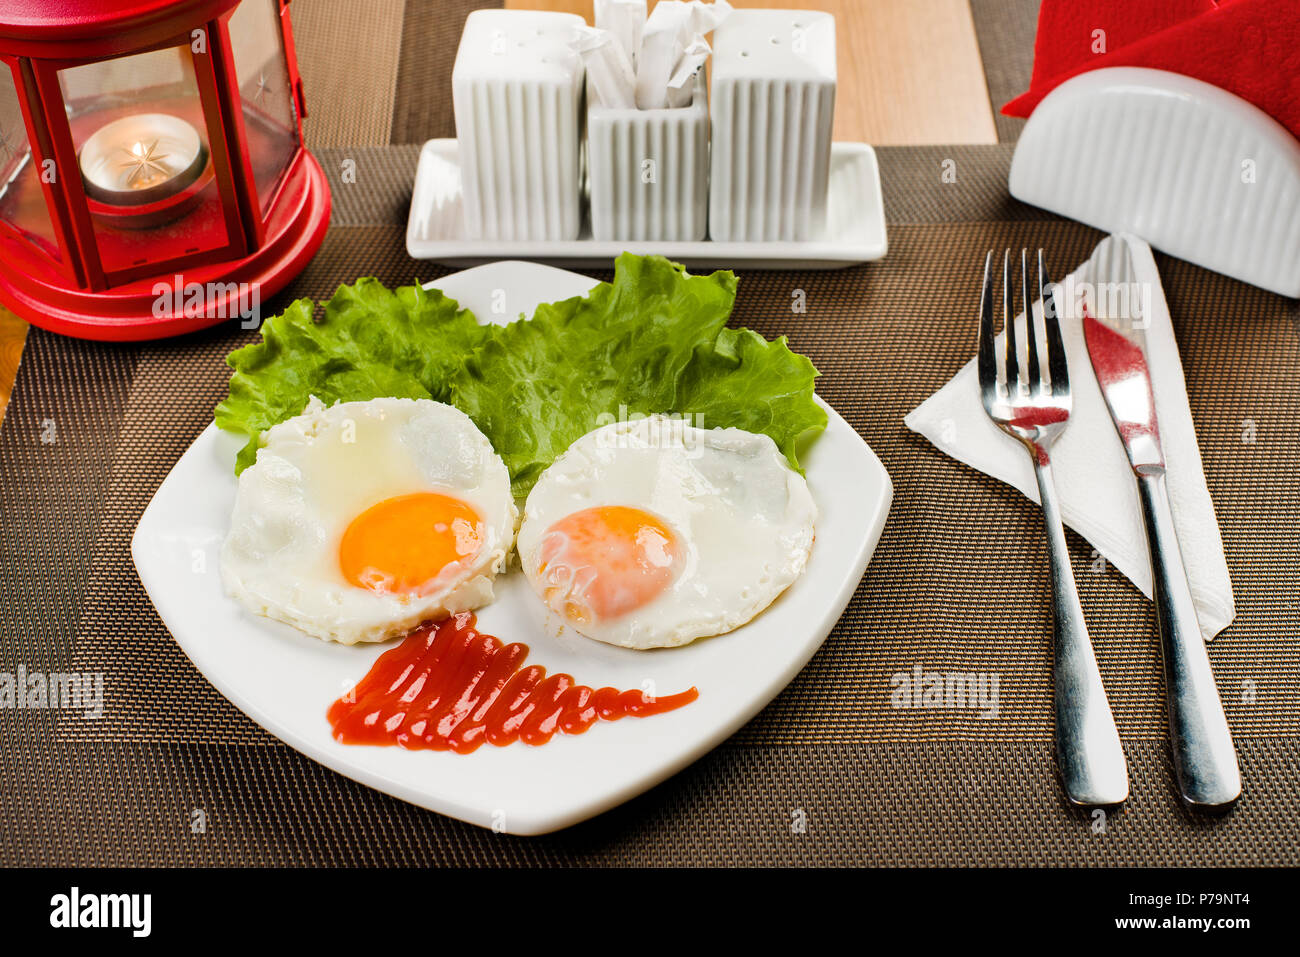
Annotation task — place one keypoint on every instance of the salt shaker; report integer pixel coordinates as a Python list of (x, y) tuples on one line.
[(773, 104), (517, 94)]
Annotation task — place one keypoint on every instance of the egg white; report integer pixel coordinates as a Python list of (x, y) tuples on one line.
[(317, 472), (744, 516)]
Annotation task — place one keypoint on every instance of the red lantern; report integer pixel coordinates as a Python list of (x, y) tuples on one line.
[(152, 175)]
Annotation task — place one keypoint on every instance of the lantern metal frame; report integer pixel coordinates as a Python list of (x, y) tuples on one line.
[(76, 293)]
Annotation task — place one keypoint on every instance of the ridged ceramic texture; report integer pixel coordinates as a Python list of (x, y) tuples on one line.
[(517, 94), (854, 232), (1171, 159), (773, 106), (649, 171)]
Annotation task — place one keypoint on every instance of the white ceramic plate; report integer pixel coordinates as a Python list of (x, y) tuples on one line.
[(854, 233), (285, 680)]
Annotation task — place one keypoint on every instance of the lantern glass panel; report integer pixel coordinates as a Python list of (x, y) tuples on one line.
[(270, 113), (145, 162), (22, 199)]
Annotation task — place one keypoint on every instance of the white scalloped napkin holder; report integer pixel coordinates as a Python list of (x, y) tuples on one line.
[(1197, 172)]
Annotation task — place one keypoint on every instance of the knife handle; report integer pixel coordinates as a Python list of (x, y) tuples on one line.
[(1204, 757), (1088, 750)]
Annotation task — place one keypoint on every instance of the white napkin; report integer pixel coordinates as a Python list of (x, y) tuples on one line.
[(609, 72), (1098, 492), (673, 28), (624, 19), (635, 62)]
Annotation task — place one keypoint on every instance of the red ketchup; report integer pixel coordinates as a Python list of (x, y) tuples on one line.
[(450, 687)]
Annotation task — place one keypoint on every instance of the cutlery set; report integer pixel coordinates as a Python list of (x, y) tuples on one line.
[(1033, 404)]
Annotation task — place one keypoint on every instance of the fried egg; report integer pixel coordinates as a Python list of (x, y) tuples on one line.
[(652, 533), (359, 521)]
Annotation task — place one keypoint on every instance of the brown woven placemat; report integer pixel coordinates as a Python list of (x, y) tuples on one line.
[(351, 85), (1005, 33), (930, 803), (432, 31), (93, 429), (884, 339)]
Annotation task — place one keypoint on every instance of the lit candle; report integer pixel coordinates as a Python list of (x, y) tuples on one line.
[(141, 159)]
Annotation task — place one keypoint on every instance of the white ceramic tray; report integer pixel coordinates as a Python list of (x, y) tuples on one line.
[(854, 232), (285, 680)]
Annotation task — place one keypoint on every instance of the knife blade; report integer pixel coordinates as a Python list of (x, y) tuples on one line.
[(1116, 315)]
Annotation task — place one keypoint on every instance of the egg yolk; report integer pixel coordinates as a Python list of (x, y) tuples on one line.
[(402, 544), (603, 562)]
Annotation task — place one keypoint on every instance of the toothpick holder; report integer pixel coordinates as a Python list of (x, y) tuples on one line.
[(649, 170)]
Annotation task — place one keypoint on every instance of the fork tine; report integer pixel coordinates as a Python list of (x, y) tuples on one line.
[(1033, 375), (1009, 328), (988, 373), (1056, 364)]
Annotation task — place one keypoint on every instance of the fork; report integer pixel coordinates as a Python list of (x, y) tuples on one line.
[(1035, 412)]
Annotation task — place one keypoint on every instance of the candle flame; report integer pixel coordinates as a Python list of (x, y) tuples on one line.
[(145, 166)]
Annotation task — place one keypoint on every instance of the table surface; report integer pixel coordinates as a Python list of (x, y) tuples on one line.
[(93, 428), (909, 73)]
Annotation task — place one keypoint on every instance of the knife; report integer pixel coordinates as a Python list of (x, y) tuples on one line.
[(1114, 324)]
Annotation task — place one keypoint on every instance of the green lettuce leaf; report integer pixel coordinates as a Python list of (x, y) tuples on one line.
[(740, 380), (538, 384), (371, 342), (653, 340)]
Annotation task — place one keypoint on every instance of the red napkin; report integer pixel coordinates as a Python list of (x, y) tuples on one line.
[(1247, 47)]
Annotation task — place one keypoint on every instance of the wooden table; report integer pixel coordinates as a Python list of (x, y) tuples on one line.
[(13, 333), (909, 70), (909, 74)]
